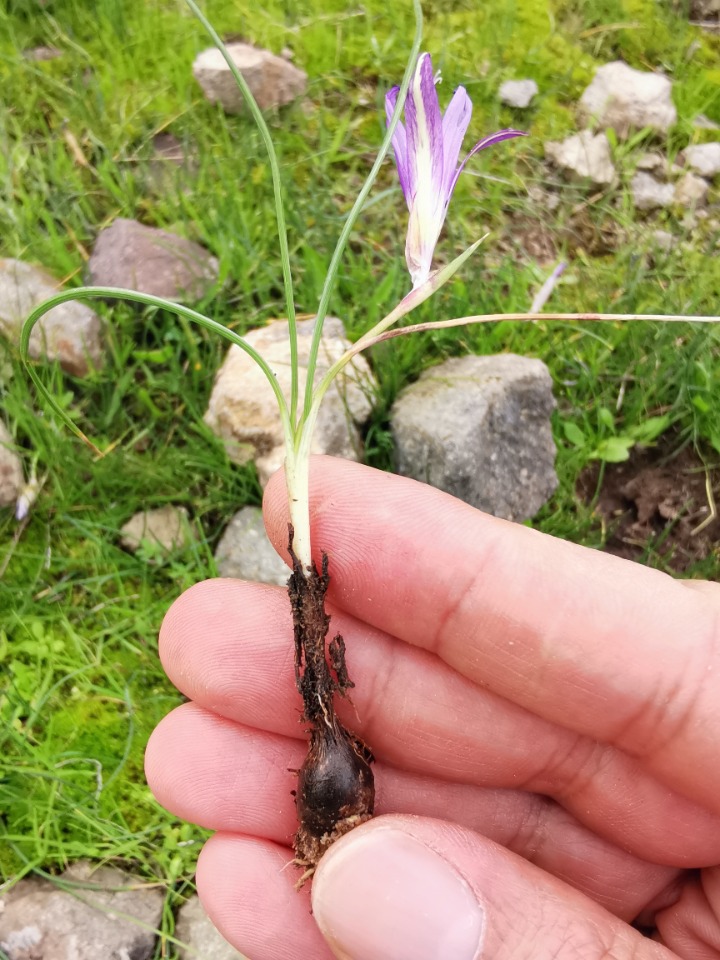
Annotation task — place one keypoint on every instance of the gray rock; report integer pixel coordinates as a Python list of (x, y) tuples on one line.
[(69, 333), (273, 81), (649, 194), (167, 527), (707, 11), (245, 552), (624, 98), (114, 920), (201, 938), (170, 168), (691, 191), (653, 163), (544, 198), (518, 93), (130, 255), (663, 240), (479, 428), (704, 158), (166, 146), (11, 472), (168, 155), (584, 156), (243, 411)]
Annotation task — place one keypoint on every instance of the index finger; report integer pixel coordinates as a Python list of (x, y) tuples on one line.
[(599, 645)]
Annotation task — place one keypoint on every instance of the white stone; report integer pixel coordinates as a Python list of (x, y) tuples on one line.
[(649, 194), (11, 472), (243, 410), (273, 81), (624, 98), (518, 93), (244, 551), (479, 428), (663, 239), (584, 155), (167, 527), (69, 333), (691, 191), (704, 158), (653, 163), (199, 935)]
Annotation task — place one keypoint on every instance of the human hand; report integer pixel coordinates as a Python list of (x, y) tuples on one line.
[(546, 721)]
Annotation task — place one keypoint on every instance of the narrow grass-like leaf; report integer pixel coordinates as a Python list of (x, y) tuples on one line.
[(94, 293), (277, 192), (523, 317)]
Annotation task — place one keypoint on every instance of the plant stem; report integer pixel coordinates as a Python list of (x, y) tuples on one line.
[(297, 471), (297, 481)]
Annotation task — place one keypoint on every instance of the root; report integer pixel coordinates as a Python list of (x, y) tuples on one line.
[(336, 789)]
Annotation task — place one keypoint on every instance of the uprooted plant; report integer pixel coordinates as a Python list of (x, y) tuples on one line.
[(335, 783)]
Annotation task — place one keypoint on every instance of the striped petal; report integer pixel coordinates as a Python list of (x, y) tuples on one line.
[(480, 145), (399, 143), (424, 128), (454, 127)]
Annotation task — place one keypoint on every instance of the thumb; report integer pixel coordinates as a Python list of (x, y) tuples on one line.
[(409, 888)]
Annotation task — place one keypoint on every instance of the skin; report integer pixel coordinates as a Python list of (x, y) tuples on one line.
[(544, 716)]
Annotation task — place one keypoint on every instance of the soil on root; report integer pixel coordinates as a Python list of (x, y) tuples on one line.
[(658, 502), (336, 789)]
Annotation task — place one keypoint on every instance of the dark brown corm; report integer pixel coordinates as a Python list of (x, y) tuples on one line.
[(336, 789)]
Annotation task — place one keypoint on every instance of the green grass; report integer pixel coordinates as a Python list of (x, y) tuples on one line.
[(80, 683)]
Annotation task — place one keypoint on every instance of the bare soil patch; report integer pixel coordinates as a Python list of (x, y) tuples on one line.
[(659, 501)]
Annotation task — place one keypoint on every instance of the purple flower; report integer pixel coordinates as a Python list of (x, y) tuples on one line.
[(426, 153)]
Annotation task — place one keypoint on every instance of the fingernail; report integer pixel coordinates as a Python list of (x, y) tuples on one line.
[(384, 895)]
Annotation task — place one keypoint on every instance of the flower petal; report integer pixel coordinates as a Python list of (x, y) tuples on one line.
[(399, 143), (480, 145), (454, 127), (419, 246), (424, 129)]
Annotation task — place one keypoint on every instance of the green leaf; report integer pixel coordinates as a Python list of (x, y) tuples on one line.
[(650, 429), (573, 433), (161, 355), (606, 418), (614, 449)]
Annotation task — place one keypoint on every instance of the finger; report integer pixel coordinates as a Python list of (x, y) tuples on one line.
[(691, 925), (232, 778), (418, 714), (248, 892), (608, 648), (399, 888)]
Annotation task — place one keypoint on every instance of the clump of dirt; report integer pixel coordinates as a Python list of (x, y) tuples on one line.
[(705, 10), (595, 234), (658, 501), (531, 237)]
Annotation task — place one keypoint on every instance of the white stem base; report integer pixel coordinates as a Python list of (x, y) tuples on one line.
[(297, 478)]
